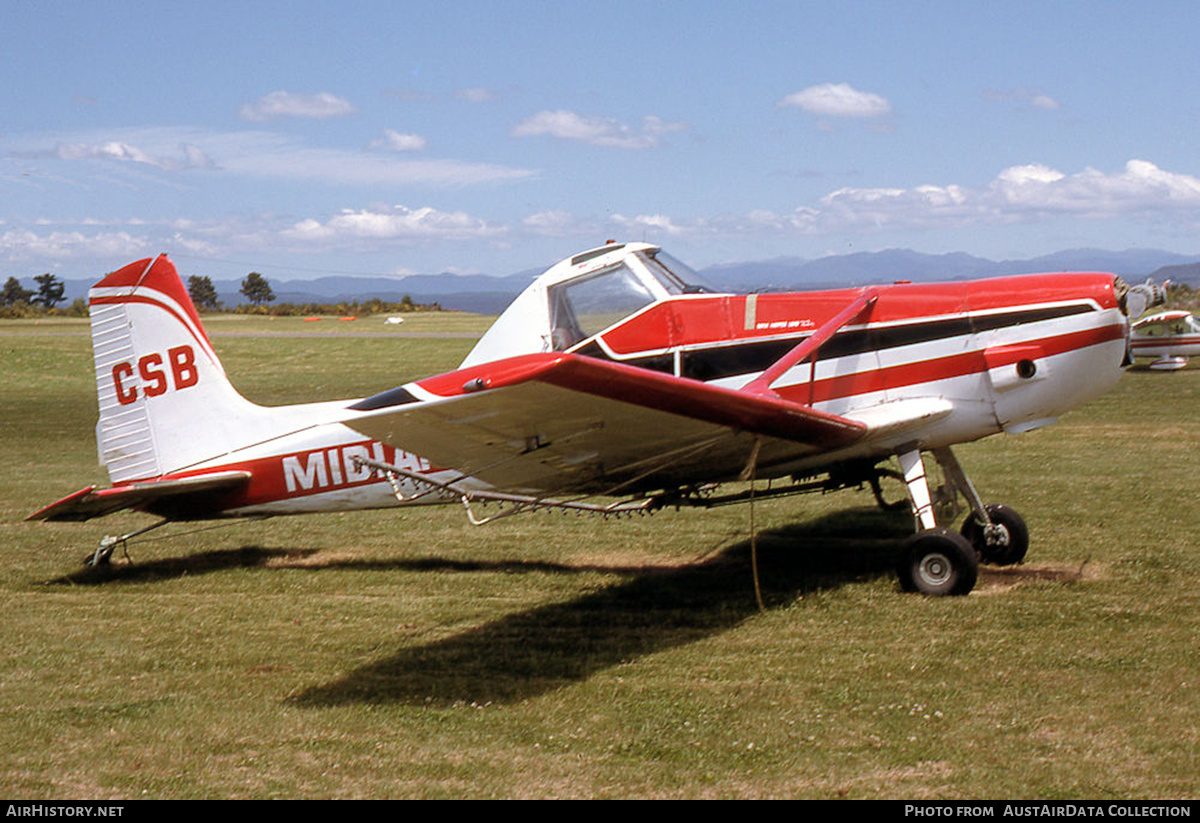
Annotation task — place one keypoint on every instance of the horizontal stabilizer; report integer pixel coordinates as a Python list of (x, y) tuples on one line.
[(88, 502)]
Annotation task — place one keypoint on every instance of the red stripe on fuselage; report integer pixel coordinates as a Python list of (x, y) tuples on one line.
[(299, 474), (939, 368), (1165, 341)]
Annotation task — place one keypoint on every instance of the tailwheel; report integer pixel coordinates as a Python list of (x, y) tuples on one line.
[(938, 562), (1004, 541), (103, 553)]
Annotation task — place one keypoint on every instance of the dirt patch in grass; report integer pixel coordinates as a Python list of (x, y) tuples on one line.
[(315, 560), (997, 579)]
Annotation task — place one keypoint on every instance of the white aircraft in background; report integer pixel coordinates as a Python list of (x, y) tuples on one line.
[(1171, 337), (619, 374)]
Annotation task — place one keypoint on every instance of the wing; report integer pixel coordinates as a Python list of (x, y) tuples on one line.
[(90, 502), (562, 423)]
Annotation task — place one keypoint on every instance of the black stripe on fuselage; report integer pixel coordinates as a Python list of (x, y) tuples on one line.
[(752, 356)]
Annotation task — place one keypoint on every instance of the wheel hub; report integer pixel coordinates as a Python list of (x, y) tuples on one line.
[(995, 534), (935, 569)]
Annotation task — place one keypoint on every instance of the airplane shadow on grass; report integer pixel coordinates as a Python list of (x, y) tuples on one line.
[(528, 653), (191, 565)]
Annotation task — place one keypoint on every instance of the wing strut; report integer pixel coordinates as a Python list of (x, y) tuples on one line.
[(761, 385)]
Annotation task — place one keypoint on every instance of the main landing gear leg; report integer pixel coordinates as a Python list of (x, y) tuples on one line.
[(997, 532), (935, 560)]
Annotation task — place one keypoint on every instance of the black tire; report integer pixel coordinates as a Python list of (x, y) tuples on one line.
[(938, 562), (1010, 546)]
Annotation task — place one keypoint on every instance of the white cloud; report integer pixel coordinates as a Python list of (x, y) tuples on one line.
[(395, 223), (1142, 188), (1033, 173), (838, 100), (477, 95), (395, 141), (596, 131), (296, 162), (565, 224), (60, 245), (656, 125), (1018, 194), (556, 224), (320, 106), (112, 150), (653, 224), (263, 154), (1033, 97), (189, 157)]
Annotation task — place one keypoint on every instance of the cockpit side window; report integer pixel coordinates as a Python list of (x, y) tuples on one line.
[(564, 328), (582, 308)]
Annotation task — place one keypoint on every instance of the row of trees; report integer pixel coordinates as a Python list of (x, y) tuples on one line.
[(257, 289), (49, 293), (18, 301), (1183, 296)]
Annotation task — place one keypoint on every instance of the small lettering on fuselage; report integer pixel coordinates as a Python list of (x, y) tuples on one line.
[(786, 324), (336, 467), (183, 374)]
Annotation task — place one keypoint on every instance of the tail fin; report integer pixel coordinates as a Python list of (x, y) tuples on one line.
[(165, 402)]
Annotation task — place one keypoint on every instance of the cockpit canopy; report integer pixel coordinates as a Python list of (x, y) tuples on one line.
[(582, 296), (588, 304)]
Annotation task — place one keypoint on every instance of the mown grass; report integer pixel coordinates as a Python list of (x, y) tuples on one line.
[(408, 654)]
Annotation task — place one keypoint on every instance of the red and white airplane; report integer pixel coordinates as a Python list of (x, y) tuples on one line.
[(619, 374), (1171, 337)]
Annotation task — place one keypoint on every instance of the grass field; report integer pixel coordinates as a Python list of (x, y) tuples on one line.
[(410, 655)]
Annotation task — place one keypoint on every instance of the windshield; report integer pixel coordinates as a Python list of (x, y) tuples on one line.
[(675, 276)]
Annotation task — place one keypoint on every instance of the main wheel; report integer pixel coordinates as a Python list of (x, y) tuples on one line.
[(1006, 543), (938, 562)]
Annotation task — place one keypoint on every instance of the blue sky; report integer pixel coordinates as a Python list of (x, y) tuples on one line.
[(300, 138)]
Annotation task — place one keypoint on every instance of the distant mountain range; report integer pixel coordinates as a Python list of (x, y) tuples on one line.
[(865, 268), (488, 294)]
